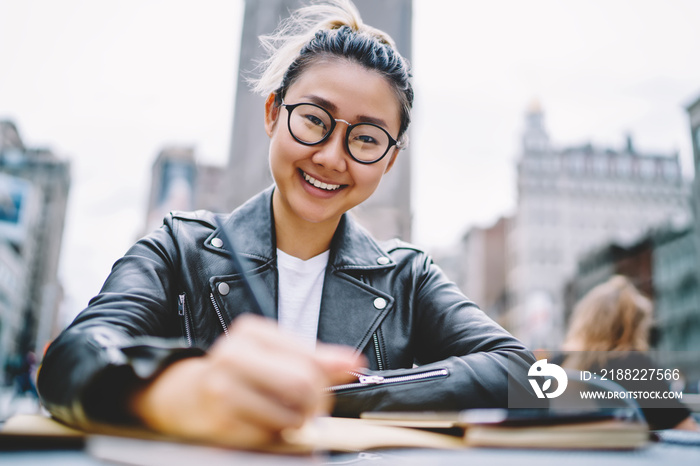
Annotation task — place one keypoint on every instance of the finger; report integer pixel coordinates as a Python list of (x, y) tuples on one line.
[(266, 333), (258, 409), (258, 348), (231, 402), (334, 360), (338, 362), (250, 437), (243, 435), (296, 382), (272, 362)]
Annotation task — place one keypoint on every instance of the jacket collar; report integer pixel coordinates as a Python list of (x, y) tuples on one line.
[(354, 248), (252, 231), (251, 228), (351, 310)]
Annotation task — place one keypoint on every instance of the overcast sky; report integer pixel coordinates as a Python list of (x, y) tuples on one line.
[(106, 84)]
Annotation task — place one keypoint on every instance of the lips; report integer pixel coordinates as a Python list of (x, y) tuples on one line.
[(320, 184)]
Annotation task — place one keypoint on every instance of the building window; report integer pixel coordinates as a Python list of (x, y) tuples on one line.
[(550, 165), (600, 164), (647, 169), (670, 169), (577, 163), (623, 166)]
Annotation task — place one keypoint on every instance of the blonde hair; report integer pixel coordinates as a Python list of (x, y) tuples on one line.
[(613, 316), (324, 29)]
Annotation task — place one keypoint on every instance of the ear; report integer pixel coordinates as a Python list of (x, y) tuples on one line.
[(392, 160), (272, 111)]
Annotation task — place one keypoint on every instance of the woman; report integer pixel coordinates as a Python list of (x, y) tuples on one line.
[(337, 110), (609, 330)]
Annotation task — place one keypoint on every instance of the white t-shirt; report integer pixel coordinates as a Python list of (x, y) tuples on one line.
[(300, 287)]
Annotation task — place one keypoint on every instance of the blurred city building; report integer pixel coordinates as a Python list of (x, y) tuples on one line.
[(571, 201), (34, 186), (387, 213), (18, 213), (677, 298), (677, 277), (479, 267), (694, 116), (179, 182)]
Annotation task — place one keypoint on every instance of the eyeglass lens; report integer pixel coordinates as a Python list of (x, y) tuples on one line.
[(310, 124)]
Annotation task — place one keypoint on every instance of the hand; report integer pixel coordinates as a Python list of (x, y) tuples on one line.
[(246, 389), (688, 424)]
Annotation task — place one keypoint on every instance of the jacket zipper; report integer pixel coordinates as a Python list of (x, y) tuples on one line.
[(380, 364), (218, 313), (182, 311), (375, 380)]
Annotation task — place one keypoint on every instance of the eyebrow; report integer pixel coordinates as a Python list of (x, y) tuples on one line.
[(330, 106)]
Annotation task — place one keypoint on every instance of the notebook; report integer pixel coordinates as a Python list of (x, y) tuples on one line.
[(542, 429)]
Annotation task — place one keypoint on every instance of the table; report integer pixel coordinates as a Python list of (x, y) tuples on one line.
[(103, 450)]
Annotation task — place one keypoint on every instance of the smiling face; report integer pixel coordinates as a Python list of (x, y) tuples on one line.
[(317, 184)]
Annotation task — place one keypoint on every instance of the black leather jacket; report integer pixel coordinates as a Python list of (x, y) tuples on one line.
[(174, 293)]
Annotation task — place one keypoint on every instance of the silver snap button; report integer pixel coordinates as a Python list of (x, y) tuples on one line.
[(217, 242), (223, 288), (380, 303), (383, 260)]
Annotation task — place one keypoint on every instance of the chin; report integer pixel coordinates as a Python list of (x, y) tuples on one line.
[(315, 218), (317, 214)]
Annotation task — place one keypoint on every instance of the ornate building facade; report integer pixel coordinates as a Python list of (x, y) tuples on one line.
[(572, 200)]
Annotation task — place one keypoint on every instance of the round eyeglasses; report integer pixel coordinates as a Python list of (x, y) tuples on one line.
[(310, 124)]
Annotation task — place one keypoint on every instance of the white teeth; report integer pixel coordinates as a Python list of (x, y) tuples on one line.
[(320, 184)]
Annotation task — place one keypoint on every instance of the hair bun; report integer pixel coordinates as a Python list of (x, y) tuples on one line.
[(331, 28)]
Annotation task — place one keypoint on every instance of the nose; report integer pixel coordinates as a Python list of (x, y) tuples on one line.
[(331, 153)]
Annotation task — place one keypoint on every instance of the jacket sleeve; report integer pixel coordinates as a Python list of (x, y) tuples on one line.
[(463, 359), (124, 337)]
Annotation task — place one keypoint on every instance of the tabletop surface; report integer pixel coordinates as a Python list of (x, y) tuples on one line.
[(102, 450)]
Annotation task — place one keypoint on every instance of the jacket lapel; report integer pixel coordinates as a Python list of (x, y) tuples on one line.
[(349, 315), (352, 310), (250, 229), (237, 300)]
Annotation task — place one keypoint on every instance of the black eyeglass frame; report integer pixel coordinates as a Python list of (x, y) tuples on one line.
[(290, 108)]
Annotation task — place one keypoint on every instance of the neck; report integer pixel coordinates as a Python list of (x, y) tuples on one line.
[(300, 238)]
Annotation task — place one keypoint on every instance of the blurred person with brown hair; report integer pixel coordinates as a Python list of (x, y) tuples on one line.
[(616, 317)]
